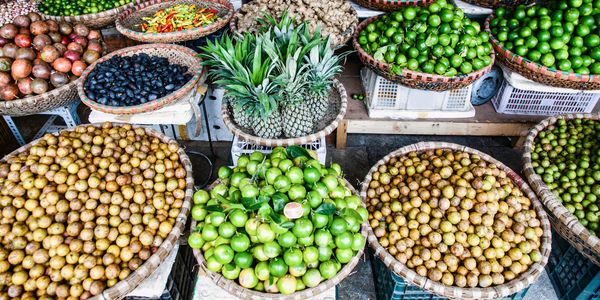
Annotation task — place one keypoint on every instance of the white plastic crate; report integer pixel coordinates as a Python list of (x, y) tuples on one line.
[(512, 100), (385, 99), (240, 147)]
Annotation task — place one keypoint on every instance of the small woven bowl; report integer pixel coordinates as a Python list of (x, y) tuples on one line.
[(97, 20), (176, 54), (128, 23), (454, 292), (391, 5), (414, 79), (58, 97), (538, 73), (562, 220), (335, 114), (123, 287), (237, 290)]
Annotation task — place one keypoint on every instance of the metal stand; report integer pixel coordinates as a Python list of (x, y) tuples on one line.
[(68, 113)]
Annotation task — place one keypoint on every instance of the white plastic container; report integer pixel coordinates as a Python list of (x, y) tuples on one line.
[(240, 147), (385, 99)]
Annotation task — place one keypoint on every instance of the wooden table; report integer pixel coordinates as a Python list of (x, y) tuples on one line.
[(486, 122)]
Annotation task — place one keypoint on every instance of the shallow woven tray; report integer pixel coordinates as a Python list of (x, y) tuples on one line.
[(176, 54), (539, 73), (390, 5), (338, 103), (562, 220), (499, 291), (237, 290), (499, 3), (124, 287), (44, 102), (335, 41), (128, 23), (414, 79), (97, 20)]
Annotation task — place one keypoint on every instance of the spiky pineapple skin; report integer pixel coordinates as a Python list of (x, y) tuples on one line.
[(270, 127), (241, 118), (318, 106), (297, 120)]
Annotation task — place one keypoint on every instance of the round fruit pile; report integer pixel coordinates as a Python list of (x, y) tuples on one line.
[(78, 7), (84, 209), (435, 39), (566, 156), (278, 223), (37, 56), (453, 218), (560, 34)]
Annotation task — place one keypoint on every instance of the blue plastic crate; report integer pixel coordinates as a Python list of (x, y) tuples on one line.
[(389, 286), (573, 276)]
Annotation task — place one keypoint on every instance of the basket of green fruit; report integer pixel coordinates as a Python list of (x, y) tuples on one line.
[(431, 47), (544, 44), (92, 13), (455, 222), (390, 5), (560, 161), (278, 226)]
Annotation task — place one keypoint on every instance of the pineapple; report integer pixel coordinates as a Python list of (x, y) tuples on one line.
[(269, 127), (297, 119)]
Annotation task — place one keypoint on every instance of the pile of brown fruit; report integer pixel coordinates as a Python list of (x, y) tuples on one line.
[(454, 218), (82, 210), (38, 55)]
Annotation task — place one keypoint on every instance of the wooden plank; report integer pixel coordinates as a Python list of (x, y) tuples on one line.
[(341, 135), (436, 127)]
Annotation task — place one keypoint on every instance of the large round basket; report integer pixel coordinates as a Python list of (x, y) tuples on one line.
[(414, 79), (500, 3), (390, 5), (539, 73), (134, 279), (338, 103), (44, 102), (128, 23), (237, 290), (335, 41), (97, 20), (499, 291), (562, 220), (176, 54)]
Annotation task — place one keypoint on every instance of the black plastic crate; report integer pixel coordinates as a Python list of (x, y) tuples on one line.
[(389, 286)]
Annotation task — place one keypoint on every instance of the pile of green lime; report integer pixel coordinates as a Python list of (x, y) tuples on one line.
[(435, 39), (561, 34), (278, 223), (566, 156), (78, 7)]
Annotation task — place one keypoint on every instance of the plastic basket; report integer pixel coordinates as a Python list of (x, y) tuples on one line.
[(512, 100), (386, 99), (573, 275), (389, 286), (240, 147)]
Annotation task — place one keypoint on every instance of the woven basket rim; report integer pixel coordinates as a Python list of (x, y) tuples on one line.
[(237, 130), (344, 36), (391, 4), (123, 287), (148, 106), (46, 97), (535, 66), (172, 36), (424, 77), (234, 288), (548, 198), (437, 288), (82, 18)]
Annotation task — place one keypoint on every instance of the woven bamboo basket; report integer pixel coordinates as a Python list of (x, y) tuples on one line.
[(391, 5), (437, 288), (562, 220), (123, 287), (335, 41), (46, 101), (500, 3), (237, 290), (538, 73), (128, 23), (338, 103), (97, 20), (176, 54), (414, 79)]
